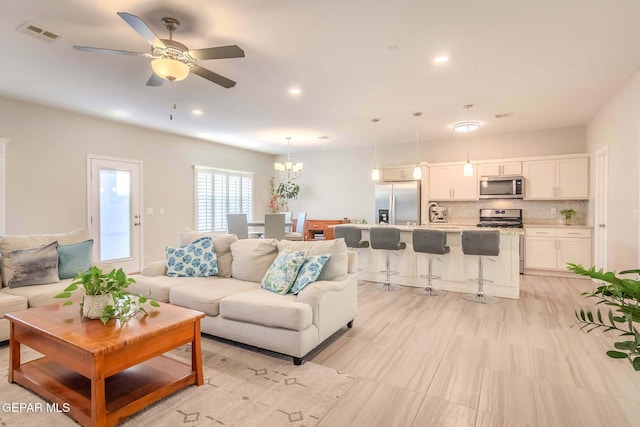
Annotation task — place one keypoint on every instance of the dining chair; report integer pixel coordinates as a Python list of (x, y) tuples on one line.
[(288, 218), (237, 224), (274, 226), (298, 234)]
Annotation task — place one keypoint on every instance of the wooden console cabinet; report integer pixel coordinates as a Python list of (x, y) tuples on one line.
[(319, 228)]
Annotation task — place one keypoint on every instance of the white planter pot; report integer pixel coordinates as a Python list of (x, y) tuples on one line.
[(93, 305)]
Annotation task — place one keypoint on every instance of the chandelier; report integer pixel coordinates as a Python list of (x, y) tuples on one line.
[(288, 171)]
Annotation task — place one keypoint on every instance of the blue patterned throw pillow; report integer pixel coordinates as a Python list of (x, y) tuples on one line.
[(309, 272), (197, 259), (283, 271)]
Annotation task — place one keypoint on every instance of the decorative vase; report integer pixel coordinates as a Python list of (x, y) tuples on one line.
[(568, 220), (93, 305)]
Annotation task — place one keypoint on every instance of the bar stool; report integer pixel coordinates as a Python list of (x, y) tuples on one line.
[(352, 236), (430, 242), (387, 239), (481, 243)]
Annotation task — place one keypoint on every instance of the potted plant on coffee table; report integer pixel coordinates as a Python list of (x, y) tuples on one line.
[(106, 296)]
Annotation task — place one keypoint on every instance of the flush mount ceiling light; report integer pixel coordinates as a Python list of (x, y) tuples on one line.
[(197, 112), (466, 126), (295, 91), (375, 172)]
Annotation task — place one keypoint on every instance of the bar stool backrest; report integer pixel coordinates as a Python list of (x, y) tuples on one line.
[(386, 238), (430, 241), (481, 242), (352, 236)]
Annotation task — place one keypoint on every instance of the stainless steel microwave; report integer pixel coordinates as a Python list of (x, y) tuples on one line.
[(501, 187)]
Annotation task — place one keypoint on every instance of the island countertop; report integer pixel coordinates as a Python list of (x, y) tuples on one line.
[(455, 271)]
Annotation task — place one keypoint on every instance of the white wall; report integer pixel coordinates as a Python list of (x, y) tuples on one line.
[(337, 184), (617, 125), (46, 171)]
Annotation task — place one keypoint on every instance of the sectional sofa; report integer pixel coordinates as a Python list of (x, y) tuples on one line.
[(235, 305), (238, 309)]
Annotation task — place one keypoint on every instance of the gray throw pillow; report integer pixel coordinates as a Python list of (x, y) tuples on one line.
[(34, 266)]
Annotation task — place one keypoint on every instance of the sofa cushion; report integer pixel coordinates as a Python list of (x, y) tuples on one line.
[(74, 259), (336, 267), (13, 242), (283, 271), (252, 258), (222, 243), (9, 303), (160, 286), (266, 308), (197, 259), (34, 266), (205, 296), (309, 272), (38, 295)]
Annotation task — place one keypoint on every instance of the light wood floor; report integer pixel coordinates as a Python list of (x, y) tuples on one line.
[(441, 361)]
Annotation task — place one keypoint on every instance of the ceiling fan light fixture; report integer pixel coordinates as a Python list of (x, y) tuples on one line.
[(170, 69)]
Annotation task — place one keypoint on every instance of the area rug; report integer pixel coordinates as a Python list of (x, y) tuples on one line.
[(242, 387)]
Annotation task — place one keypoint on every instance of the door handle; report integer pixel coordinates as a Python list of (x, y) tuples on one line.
[(602, 225), (136, 223)]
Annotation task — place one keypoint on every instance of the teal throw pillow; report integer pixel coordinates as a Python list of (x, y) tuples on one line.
[(283, 271), (74, 259), (197, 259), (309, 272)]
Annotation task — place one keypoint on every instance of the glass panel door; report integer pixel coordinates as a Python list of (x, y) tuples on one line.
[(115, 212)]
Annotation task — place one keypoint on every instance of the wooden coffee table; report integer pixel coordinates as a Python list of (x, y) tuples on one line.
[(104, 373)]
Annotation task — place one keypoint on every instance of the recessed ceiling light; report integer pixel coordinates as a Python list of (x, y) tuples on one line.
[(440, 59), (295, 91), (197, 112)]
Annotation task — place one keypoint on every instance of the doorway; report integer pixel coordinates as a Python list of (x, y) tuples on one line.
[(600, 208), (115, 190)]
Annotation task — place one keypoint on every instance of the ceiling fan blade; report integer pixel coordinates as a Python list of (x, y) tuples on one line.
[(110, 51), (219, 52), (211, 76), (141, 28), (155, 80)]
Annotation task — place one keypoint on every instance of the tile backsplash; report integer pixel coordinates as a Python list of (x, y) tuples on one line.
[(533, 212)]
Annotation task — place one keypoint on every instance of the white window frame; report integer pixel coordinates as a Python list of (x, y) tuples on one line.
[(245, 203)]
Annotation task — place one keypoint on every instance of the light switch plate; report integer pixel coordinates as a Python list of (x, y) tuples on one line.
[(149, 211)]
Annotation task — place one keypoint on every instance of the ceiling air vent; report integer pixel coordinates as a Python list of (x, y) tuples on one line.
[(38, 32), (503, 115)]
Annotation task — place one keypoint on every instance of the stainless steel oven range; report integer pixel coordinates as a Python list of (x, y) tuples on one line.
[(504, 218)]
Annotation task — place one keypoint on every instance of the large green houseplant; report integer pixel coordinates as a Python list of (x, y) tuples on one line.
[(106, 295), (622, 295)]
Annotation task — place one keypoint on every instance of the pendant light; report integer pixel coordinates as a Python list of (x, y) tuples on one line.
[(468, 168), (417, 171), (375, 172)]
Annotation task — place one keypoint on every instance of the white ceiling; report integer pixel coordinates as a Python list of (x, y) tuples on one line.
[(552, 63)]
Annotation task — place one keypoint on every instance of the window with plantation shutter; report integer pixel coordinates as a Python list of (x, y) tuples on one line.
[(219, 192)]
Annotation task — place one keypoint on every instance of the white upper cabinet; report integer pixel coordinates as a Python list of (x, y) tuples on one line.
[(449, 183), (500, 169), (566, 178)]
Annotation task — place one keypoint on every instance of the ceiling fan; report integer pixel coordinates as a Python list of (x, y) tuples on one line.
[(171, 60)]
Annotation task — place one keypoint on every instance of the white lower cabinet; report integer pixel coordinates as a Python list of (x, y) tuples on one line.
[(553, 248)]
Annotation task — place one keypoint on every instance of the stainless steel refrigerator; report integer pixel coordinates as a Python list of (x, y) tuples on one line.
[(398, 203)]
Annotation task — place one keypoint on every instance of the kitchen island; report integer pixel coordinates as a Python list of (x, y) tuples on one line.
[(457, 272)]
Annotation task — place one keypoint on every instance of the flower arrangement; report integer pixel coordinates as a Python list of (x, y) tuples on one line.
[(276, 203)]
